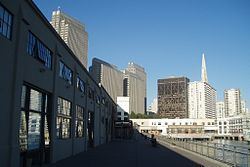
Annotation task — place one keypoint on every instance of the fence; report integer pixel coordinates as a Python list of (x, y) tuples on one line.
[(229, 154)]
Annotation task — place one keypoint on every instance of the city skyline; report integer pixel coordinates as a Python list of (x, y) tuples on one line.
[(174, 34)]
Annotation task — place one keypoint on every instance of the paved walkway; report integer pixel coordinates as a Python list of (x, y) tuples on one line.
[(136, 152)]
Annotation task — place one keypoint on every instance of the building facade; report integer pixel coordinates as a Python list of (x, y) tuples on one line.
[(202, 96), (173, 97), (220, 109), (108, 76), (73, 33), (51, 107), (122, 108), (235, 127), (134, 87), (202, 100), (232, 102), (178, 128)]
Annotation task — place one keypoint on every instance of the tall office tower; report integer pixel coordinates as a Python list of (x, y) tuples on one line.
[(134, 86), (232, 102), (202, 96), (173, 97), (220, 109), (109, 76), (73, 33)]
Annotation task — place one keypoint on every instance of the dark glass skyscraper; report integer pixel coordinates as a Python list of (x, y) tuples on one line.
[(173, 97)]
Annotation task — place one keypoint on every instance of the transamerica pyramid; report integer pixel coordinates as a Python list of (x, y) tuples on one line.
[(204, 70)]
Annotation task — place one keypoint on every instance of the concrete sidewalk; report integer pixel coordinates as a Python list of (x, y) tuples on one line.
[(136, 152)]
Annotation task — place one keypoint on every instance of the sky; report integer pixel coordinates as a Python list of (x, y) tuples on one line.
[(168, 37)]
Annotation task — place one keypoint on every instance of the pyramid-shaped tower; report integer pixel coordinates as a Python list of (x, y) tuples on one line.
[(204, 70)]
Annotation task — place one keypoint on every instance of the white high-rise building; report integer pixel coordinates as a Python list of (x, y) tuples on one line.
[(134, 86), (109, 76), (201, 96), (220, 109), (232, 102), (73, 33)]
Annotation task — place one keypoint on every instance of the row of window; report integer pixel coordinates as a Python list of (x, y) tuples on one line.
[(194, 123), (39, 51), (63, 122), (34, 129), (6, 22)]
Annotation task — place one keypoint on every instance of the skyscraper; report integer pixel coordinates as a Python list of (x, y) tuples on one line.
[(134, 86), (73, 33), (109, 76), (173, 97), (202, 96), (232, 102)]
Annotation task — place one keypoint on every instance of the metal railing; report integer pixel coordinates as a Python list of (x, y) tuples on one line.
[(232, 155)]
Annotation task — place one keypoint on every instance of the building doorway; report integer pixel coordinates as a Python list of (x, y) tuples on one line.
[(34, 129), (90, 129)]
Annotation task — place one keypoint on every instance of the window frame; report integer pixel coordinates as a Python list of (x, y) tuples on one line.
[(9, 23), (62, 120), (37, 49), (62, 74), (26, 110), (79, 119)]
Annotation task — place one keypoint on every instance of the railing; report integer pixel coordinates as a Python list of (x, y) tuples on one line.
[(232, 155)]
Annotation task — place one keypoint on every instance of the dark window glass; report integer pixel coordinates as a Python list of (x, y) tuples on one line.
[(80, 84), (35, 100), (46, 131), (64, 107), (98, 99), (5, 22), (65, 72), (63, 122), (38, 50), (34, 130), (23, 132), (91, 93), (79, 130)]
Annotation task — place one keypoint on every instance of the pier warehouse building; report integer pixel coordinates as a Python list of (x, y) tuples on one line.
[(51, 108)]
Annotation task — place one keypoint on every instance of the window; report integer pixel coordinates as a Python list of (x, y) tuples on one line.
[(38, 50), (98, 99), (33, 113), (166, 123), (159, 123), (6, 22), (79, 130), (91, 94), (65, 72), (63, 121), (103, 100), (80, 84)]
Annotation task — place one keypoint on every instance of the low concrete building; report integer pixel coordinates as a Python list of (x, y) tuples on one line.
[(51, 108), (236, 127), (178, 128)]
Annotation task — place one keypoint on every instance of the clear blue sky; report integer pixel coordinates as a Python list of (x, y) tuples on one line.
[(168, 37)]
